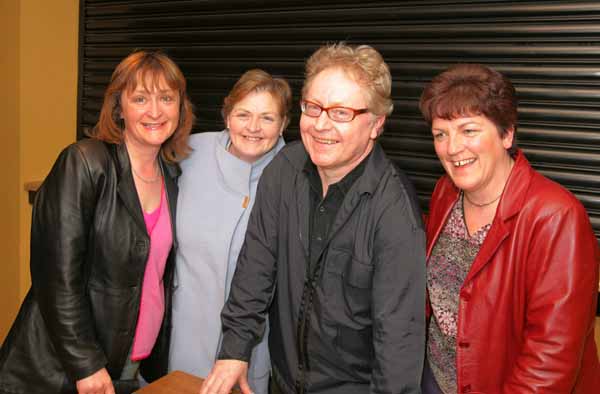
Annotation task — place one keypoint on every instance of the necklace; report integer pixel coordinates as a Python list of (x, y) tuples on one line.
[(146, 180), (485, 204)]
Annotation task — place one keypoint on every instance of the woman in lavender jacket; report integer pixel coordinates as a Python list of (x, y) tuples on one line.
[(216, 195)]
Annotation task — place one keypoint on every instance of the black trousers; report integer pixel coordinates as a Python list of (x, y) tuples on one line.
[(273, 387), (428, 383)]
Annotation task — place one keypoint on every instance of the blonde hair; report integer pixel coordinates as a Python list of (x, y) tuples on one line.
[(257, 80), (141, 67), (363, 64)]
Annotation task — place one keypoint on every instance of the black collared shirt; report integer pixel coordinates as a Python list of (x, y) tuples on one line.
[(324, 209)]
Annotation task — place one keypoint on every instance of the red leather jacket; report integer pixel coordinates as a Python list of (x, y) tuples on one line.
[(527, 307)]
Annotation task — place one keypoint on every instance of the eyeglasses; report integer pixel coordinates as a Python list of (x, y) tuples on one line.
[(336, 113)]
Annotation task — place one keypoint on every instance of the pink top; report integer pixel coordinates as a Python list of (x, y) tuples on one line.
[(152, 304)]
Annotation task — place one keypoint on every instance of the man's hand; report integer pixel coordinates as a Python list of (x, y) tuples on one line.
[(224, 375), (98, 383)]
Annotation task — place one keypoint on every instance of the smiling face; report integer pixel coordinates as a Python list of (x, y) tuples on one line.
[(473, 154), (255, 124), (150, 116), (337, 147)]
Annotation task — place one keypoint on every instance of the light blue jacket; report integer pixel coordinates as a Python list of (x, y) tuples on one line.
[(216, 195)]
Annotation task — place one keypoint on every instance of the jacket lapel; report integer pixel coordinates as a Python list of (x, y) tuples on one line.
[(448, 196), (171, 172), (348, 206), (297, 156), (365, 184), (303, 207), (497, 234), (509, 206), (126, 186)]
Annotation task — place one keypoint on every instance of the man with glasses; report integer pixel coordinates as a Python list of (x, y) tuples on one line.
[(335, 249)]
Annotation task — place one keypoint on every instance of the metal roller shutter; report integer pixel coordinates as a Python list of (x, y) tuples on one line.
[(550, 50)]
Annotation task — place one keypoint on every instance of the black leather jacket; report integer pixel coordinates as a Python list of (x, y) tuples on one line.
[(89, 248)]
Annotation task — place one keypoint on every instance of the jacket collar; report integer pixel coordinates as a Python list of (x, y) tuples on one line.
[(511, 203), (124, 165), (237, 174), (517, 185), (367, 183), (376, 165)]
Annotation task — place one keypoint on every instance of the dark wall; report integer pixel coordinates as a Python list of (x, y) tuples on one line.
[(550, 50)]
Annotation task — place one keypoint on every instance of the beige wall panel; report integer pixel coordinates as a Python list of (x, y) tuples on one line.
[(40, 70), (9, 170)]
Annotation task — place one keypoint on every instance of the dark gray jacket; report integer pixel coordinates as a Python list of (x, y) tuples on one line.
[(365, 306), (89, 248)]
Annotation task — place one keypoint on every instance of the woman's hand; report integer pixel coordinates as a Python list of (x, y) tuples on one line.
[(224, 375), (98, 383)]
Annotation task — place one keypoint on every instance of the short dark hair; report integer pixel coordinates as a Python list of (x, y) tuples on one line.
[(472, 89)]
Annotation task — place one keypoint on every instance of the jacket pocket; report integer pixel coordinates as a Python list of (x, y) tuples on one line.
[(349, 284), (359, 275), (113, 308), (115, 313), (358, 279)]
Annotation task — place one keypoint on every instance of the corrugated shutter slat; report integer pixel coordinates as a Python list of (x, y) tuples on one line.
[(550, 49)]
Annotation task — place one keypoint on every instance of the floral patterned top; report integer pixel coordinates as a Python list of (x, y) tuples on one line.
[(448, 266)]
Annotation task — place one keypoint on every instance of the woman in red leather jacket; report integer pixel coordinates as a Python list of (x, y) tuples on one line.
[(512, 270)]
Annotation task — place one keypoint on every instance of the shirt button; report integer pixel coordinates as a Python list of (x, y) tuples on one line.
[(466, 389), (321, 209), (464, 344), (319, 238)]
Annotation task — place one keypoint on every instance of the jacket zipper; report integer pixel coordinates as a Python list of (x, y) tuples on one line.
[(308, 293)]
